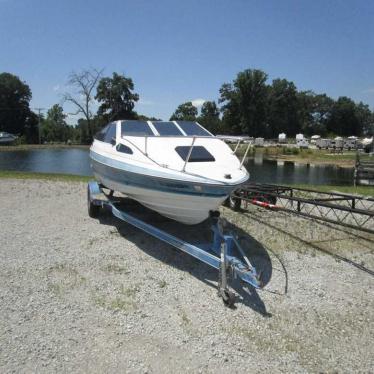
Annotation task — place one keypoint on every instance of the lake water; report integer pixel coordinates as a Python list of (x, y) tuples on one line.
[(76, 161)]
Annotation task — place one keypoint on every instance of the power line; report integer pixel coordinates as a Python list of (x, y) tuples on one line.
[(39, 115)]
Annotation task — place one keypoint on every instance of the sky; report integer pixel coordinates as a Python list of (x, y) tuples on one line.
[(178, 51)]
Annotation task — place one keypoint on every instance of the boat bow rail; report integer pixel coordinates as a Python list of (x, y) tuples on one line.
[(224, 253), (193, 141)]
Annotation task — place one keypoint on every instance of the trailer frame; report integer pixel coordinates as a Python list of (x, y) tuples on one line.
[(224, 253), (353, 211)]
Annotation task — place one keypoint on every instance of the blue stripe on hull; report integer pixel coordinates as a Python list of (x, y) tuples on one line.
[(160, 184)]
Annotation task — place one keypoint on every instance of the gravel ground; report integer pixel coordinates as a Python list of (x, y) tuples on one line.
[(96, 295)]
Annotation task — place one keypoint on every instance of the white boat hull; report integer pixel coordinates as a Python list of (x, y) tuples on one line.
[(182, 208)]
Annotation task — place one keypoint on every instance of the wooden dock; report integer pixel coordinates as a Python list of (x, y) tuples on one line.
[(364, 172)]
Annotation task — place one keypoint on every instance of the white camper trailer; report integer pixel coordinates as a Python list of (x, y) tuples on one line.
[(302, 143), (282, 138), (259, 142), (314, 138), (337, 143), (323, 143), (351, 143)]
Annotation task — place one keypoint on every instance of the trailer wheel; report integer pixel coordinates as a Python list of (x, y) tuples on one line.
[(93, 210), (235, 203)]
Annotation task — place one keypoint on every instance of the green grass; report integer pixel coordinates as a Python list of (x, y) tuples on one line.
[(358, 190), (44, 176)]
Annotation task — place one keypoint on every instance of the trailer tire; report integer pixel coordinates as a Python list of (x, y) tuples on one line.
[(235, 203), (93, 210)]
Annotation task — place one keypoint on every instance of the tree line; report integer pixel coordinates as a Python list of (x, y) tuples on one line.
[(249, 105)]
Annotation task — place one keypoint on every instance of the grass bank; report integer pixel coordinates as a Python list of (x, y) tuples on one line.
[(45, 176), (360, 190), (307, 156), (29, 147)]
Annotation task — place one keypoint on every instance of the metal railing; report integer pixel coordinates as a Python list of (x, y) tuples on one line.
[(353, 211), (236, 148), (145, 152), (189, 154)]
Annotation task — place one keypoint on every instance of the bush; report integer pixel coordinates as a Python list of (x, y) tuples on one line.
[(295, 151), (20, 140)]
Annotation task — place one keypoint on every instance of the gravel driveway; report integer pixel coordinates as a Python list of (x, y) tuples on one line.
[(96, 295)]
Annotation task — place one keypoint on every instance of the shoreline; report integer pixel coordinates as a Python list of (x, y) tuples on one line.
[(312, 157), (29, 147), (344, 163)]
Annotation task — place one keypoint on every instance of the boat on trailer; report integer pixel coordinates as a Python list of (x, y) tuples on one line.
[(176, 168)]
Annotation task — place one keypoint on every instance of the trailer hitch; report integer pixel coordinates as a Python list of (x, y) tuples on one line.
[(234, 262)]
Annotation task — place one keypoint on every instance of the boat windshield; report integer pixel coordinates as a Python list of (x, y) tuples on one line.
[(167, 128), (162, 128), (192, 128), (136, 128)]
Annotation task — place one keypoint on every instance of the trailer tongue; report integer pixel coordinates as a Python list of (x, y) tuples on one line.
[(224, 254)]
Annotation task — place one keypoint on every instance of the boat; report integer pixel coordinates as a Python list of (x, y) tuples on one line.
[(7, 138), (176, 168)]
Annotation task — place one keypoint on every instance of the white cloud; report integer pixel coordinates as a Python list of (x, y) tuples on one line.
[(198, 102), (56, 88), (369, 90)]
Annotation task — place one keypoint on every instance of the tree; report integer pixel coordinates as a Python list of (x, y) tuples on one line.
[(142, 117), (82, 133), (209, 116), (84, 84), (116, 97), (31, 129), (54, 127), (230, 110), (282, 112), (344, 119), (15, 114), (365, 117), (185, 112), (245, 102)]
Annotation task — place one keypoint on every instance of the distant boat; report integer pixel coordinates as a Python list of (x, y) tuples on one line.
[(6, 138)]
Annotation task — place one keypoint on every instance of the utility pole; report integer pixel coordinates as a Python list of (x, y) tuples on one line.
[(39, 115)]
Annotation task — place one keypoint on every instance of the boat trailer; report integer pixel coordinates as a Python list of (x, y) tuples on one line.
[(352, 211), (224, 253)]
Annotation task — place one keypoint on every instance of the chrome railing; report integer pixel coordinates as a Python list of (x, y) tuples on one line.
[(189, 154), (244, 156), (145, 152), (237, 146)]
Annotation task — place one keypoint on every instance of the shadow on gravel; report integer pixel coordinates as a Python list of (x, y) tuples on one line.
[(196, 234), (314, 245)]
